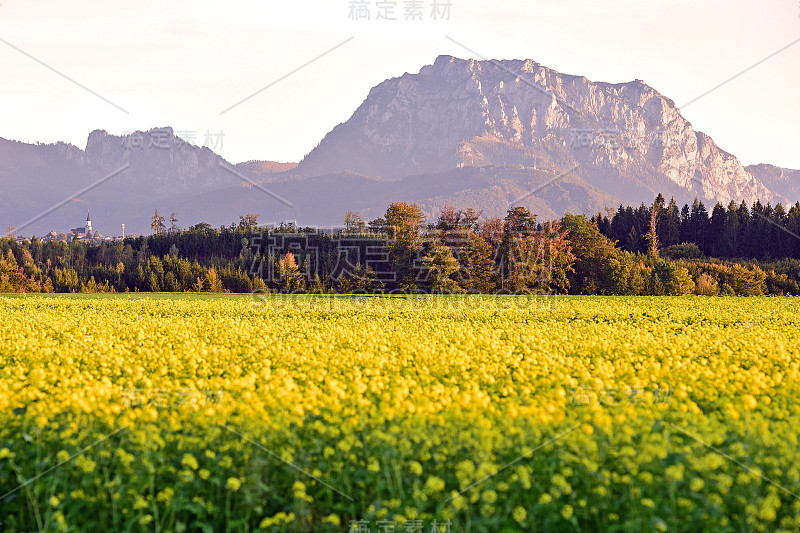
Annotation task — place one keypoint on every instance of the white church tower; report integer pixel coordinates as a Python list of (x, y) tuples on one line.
[(88, 230)]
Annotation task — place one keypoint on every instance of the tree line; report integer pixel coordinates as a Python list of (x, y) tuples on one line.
[(649, 250), (758, 232)]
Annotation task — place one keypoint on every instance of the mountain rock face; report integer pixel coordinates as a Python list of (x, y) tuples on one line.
[(783, 182), (628, 139), (165, 164), (480, 134), (120, 178)]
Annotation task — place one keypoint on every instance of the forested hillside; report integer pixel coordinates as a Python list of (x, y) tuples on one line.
[(649, 250)]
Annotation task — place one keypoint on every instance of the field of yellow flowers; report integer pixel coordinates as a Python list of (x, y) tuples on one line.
[(416, 414)]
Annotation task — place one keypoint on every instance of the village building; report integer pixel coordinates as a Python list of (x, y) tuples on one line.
[(86, 230)]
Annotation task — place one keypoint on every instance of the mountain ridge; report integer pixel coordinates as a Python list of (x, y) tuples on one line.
[(459, 131), (530, 111)]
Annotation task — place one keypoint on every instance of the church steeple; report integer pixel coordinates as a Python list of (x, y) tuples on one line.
[(88, 223)]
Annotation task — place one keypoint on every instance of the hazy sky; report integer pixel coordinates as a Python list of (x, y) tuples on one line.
[(181, 63)]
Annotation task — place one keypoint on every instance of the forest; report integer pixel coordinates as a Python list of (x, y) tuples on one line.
[(660, 249)]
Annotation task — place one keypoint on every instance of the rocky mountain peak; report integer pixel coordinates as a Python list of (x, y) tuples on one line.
[(626, 138), (461, 132)]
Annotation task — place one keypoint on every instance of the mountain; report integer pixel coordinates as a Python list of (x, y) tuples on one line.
[(121, 179), (783, 182), (482, 134), (263, 170), (327, 198), (627, 138)]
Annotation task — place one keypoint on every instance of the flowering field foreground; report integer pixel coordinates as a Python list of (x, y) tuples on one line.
[(399, 414)]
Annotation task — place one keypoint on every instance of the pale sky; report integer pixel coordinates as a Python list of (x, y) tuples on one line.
[(181, 63)]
